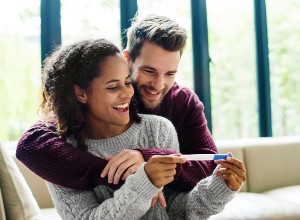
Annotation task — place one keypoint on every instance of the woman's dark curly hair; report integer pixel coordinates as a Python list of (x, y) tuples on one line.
[(79, 64)]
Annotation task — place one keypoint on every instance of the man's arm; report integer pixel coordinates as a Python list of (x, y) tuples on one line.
[(57, 161), (184, 109)]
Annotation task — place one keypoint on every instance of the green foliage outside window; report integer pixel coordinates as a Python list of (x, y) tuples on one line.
[(232, 49)]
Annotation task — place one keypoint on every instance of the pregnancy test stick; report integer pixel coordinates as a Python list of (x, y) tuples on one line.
[(206, 156)]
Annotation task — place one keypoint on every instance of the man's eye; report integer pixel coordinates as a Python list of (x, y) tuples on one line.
[(170, 74), (149, 71)]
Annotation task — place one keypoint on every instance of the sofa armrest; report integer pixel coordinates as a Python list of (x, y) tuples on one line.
[(37, 186)]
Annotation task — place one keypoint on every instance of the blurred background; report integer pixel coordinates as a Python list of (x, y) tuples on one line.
[(251, 85)]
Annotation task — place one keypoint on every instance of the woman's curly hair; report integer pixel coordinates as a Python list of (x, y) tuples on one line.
[(79, 64)]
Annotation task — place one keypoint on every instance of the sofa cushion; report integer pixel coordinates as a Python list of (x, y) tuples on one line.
[(49, 214), (2, 211), (18, 200), (258, 206), (289, 193)]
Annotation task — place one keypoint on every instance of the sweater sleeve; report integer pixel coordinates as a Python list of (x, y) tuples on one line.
[(57, 161), (194, 138), (131, 201), (207, 198)]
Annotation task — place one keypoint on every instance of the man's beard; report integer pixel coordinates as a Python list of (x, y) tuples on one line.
[(147, 103)]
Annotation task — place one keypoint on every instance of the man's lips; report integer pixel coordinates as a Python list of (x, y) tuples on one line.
[(151, 93)]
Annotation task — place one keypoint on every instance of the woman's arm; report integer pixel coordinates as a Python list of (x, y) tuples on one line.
[(131, 201), (208, 198), (211, 194)]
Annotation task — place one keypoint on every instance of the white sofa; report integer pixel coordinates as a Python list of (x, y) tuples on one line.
[(272, 189), (22, 197)]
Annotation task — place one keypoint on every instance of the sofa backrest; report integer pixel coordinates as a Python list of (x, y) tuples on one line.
[(270, 162)]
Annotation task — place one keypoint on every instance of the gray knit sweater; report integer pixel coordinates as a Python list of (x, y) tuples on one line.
[(133, 199)]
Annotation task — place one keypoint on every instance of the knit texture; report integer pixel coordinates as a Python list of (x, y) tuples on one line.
[(184, 109), (42, 151), (133, 199)]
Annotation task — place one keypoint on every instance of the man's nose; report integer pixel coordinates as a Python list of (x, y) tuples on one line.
[(158, 83)]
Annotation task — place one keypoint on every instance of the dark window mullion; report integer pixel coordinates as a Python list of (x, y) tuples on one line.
[(128, 9), (201, 56), (50, 26), (263, 73)]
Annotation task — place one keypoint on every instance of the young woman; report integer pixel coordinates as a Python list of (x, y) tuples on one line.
[(87, 91)]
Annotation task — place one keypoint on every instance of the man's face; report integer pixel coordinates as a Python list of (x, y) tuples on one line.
[(153, 72)]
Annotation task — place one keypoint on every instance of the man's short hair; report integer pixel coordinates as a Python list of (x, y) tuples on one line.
[(160, 30)]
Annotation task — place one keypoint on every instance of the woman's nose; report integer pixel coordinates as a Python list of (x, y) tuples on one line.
[(127, 92)]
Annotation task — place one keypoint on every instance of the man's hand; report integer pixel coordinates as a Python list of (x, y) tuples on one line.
[(232, 172), (162, 169), (123, 164)]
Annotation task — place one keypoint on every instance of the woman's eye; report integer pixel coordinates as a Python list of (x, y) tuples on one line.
[(112, 88), (128, 83)]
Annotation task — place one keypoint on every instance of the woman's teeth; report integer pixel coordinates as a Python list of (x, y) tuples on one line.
[(121, 107)]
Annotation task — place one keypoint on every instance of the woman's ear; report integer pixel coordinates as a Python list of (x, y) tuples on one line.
[(126, 55), (80, 94)]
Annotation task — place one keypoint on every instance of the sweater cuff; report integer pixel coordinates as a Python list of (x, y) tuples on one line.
[(142, 185), (219, 188), (149, 152)]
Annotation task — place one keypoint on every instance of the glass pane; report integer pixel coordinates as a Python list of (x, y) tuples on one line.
[(233, 68), (179, 11), (91, 19), (284, 54), (20, 63)]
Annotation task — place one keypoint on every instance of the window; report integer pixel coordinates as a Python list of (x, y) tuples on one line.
[(234, 102), (233, 69), (90, 19), (20, 66), (284, 58)]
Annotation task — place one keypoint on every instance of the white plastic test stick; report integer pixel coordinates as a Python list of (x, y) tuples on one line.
[(206, 156)]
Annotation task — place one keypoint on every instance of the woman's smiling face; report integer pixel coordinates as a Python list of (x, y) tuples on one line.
[(108, 96)]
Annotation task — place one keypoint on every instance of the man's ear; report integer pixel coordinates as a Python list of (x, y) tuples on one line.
[(126, 55), (80, 94)]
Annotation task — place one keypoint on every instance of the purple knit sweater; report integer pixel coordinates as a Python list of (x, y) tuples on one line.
[(47, 155)]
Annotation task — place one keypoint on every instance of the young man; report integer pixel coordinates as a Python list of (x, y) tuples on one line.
[(153, 51)]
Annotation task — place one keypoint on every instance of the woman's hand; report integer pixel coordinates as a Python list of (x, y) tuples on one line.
[(232, 171), (122, 165), (162, 169)]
